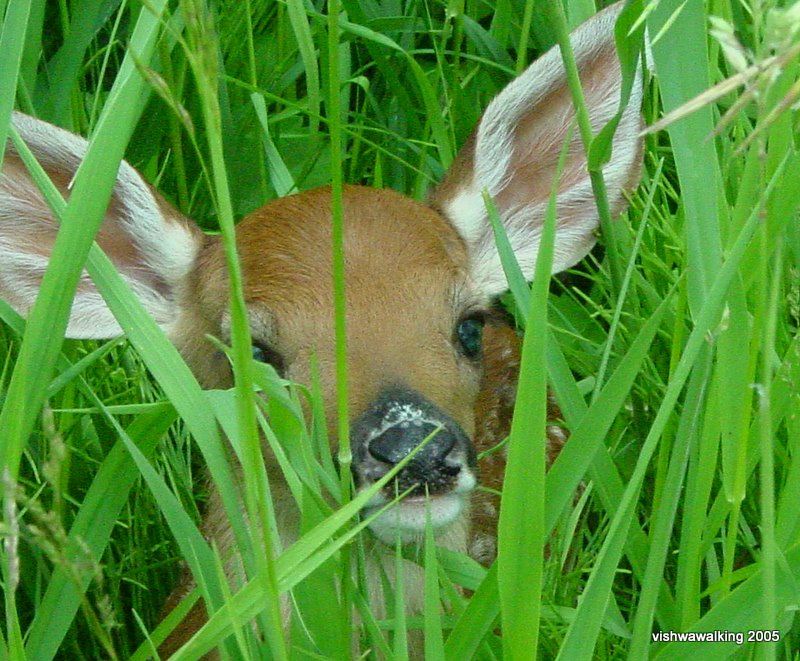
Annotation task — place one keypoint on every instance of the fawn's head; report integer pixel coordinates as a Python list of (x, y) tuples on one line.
[(419, 277)]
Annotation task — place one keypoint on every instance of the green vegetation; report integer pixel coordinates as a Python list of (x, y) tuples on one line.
[(675, 357)]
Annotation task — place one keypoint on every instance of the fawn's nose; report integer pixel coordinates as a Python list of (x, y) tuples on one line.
[(399, 423), (430, 466)]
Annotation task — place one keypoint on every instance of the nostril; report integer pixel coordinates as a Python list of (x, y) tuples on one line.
[(397, 442)]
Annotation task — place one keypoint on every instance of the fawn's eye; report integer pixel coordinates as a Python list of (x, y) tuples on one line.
[(470, 333), (264, 354)]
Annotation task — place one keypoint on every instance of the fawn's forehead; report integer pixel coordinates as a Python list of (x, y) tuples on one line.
[(406, 279), (391, 243)]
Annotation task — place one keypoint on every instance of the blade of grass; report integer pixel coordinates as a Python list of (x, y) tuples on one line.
[(335, 19), (434, 643), (430, 100), (146, 650), (587, 438), (12, 45), (190, 540), (681, 60), (400, 626), (279, 174), (521, 527), (476, 621), (558, 23), (305, 46)]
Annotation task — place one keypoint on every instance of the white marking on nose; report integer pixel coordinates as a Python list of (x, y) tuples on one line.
[(403, 415)]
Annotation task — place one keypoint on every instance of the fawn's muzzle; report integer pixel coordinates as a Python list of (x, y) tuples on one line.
[(442, 464)]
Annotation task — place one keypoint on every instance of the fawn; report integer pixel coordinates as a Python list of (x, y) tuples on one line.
[(420, 279)]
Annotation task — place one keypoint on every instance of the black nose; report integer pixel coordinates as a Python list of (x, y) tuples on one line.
[(396, 443), (429, 467), (395, 426)]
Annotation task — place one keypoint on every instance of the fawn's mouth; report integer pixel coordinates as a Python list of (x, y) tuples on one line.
[(407, 518)]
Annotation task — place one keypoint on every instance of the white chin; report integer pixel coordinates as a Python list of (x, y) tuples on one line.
[(407, 519)]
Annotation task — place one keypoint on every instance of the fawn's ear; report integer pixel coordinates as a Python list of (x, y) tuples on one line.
[(150, 243), (515, 149)]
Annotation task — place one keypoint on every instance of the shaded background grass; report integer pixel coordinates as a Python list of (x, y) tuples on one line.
[(685, 377)]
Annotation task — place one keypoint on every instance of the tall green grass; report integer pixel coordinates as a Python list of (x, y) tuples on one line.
[(674, 354)]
